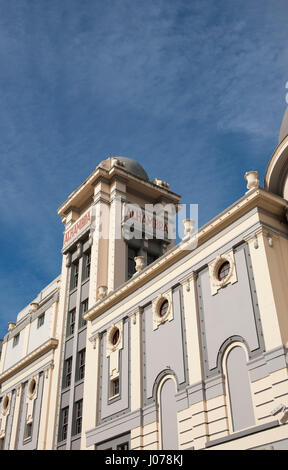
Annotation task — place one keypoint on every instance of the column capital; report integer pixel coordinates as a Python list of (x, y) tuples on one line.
[(136, 313)]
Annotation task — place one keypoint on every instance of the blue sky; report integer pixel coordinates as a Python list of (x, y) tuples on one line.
[(193, 90)]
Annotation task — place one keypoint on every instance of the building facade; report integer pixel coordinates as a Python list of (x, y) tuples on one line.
[(141, 343)]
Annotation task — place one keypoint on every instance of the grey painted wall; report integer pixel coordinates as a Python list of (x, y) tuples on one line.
[(9, 422), (239, 390), (113, 443), (163, 348), (31, 443), (232, 312), (169, 424), (118, 405)]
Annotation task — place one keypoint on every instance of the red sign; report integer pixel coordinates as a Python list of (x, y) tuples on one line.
[(77, 227)]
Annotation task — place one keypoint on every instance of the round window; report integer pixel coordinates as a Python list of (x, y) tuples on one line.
[(163, 308), (115, 337), (223, 271)]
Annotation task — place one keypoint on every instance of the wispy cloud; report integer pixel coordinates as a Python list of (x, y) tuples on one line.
[(192, 90)]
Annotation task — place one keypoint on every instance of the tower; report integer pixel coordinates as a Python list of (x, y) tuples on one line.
[(107, 231)]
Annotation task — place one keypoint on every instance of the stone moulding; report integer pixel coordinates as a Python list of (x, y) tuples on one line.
[(52, 343), (256, 198)]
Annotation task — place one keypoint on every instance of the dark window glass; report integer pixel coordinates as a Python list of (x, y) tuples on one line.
[(115, 337), (124, 446), (16, 340), (163, 309), (131, 263), (151, 258), (74, 275), (71, 322), (77, 417), (86, 265), (40, 320), (67, 372), (115, 387), (83, 309), (63, 424), (81, 365), (28, 430), (223, 270)]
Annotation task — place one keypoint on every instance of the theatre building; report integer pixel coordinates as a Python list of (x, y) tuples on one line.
[(147, 342)]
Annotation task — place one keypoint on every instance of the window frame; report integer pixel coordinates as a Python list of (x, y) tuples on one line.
[(78, 415), (80, 372), (74, 278), (71, 324), (83, 309), (67, 373), (63, 425), (114, 381), (41, 320), (86, 270), (16, 339)]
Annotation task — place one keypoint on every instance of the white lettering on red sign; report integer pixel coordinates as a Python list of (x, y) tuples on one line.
[(77, 227)]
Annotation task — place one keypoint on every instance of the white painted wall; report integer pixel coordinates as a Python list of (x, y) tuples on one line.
[(37, 335), (14, 354)]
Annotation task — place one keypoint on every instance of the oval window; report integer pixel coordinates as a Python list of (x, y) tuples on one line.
[(223, 271), (32, 386), (5, 403), (163, 308), (115, 337)]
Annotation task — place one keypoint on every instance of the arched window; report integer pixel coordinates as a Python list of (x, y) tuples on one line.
[(238, 383), (168, 415)]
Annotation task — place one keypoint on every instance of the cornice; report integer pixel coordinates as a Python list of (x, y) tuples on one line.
[(258, 197), (108, 175), (52, 343)]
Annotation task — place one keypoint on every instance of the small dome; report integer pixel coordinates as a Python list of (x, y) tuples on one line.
[(130, 165), (284, 127)]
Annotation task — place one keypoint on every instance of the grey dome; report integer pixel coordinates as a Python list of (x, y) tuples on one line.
[(133, 167), (284, 127), (130, 165)]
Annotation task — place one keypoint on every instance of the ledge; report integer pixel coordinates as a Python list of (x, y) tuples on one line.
[(50, 344), (244, 433), (256, 198)]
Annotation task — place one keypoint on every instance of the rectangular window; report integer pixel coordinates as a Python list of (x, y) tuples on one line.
[(118, 443), (40, 320), (63, 425), (83, 309), (86, 265), (67, 372), (80, 373), (74, 275), (131, 263), (71, 322), (16, 340), (151, 258), (115, 387), (2, 443), (124, 446), (28, 430), (77, 417)]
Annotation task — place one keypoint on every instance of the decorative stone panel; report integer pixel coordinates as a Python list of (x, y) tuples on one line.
[(156, 306), (214, 267)]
